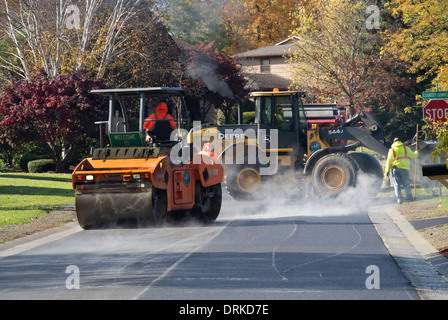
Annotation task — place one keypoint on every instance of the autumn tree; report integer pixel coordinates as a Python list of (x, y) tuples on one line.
[(252, 24), (233, 25), (196, 21), (6, 73), (422, 38), (57, 36), (340, 58), (149, 56), (59, 112)]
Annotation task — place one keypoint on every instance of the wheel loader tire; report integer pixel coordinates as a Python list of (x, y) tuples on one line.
[(159, 206), (373, 171), (333, 174), (208, 202), (243, 181)]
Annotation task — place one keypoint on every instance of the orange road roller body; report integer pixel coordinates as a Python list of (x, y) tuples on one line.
[(140, 182)]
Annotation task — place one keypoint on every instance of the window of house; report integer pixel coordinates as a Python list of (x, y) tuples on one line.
[(265, 65)]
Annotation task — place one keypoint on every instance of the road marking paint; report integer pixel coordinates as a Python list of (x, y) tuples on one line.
[(180, 261)]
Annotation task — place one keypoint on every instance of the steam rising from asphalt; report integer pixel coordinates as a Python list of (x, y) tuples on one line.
[(425, 158), (284, 202)]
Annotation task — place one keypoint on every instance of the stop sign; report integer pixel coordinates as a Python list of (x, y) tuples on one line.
[(435, 110)]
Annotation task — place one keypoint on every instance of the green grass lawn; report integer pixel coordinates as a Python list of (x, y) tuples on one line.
[(25, 196)]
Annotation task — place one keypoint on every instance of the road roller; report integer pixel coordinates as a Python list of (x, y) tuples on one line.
[(143, 171)]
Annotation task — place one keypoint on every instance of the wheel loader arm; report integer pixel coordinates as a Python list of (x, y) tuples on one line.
[(363, 128)]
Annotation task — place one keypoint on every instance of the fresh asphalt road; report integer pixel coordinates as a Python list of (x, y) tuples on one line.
[(280, 249)]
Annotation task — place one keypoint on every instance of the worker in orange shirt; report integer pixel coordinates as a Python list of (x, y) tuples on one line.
[(163, 129), (161, 114)]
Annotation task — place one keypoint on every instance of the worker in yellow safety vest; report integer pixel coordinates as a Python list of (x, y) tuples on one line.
[(398, 165)]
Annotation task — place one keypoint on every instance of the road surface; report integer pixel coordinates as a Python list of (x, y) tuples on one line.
[(278, 249)]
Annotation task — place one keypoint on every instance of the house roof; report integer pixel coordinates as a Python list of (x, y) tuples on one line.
[(266, 81), (282, 48)]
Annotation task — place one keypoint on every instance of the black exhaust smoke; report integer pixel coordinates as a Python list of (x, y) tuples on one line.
[(203, 67), (240, 108)]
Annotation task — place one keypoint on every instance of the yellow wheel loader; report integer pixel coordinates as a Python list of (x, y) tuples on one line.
[(292, 144)]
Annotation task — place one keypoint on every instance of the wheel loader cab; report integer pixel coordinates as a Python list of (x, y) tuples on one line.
[(282, 111), (280, 145)]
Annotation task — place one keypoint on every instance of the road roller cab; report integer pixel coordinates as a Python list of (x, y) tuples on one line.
[(141, 175)]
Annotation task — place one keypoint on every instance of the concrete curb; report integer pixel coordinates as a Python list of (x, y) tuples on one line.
[(423, 265), (37, 239)]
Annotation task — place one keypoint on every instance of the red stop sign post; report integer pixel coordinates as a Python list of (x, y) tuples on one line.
[(435, 110)]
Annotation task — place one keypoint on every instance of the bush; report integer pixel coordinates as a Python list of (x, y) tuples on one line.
[(6, 168), (249, 117), (23, 162), (40, 166), (29, 152)]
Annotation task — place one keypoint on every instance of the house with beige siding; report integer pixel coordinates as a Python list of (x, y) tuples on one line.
[(268, 68)]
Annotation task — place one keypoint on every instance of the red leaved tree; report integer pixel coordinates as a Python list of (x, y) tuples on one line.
[(59, 112)]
